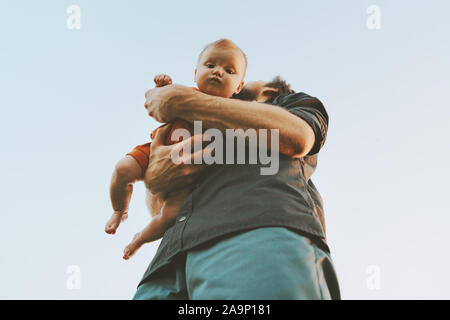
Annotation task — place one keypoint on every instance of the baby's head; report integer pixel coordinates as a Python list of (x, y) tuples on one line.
[(221, 69)]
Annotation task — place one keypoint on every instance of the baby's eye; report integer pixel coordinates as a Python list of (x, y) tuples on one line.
[(230, 71), (210, 65)]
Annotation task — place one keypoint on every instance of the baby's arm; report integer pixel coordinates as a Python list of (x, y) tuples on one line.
[(126, 173)]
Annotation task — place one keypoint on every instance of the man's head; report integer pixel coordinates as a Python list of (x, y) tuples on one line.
[(263, 91), (221, 69)]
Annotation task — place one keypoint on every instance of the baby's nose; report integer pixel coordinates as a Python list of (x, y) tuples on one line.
[(218, 72)]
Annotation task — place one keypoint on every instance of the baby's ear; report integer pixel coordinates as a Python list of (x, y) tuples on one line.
[(195, 75), (239, 88)]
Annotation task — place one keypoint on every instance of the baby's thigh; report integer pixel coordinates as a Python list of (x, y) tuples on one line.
[(154, 203)]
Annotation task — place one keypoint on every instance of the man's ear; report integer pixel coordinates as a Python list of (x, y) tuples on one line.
[(239, 88), (269, 92)]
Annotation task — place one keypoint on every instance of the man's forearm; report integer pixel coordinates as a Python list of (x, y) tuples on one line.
[(294, 133)]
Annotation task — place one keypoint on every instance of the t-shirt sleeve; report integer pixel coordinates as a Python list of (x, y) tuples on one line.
[(312, 111), (141, 154)]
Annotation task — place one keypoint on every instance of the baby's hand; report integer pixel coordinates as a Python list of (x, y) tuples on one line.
[(162, 80)]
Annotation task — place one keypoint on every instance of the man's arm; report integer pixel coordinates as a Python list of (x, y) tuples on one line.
[(296, 136)]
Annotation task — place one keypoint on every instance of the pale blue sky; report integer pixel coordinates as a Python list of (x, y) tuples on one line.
[(72, 106)]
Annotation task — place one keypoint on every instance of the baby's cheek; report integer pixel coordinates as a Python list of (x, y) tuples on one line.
[(202, 86), (228, 92)]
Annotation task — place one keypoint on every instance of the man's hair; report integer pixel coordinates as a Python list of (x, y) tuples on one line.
[(280, 84), (277, 82), (224, 43)]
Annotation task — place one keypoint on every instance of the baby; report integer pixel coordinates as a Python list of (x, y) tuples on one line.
[(220, 72)]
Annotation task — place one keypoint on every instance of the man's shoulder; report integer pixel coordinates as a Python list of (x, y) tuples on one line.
[(300, 100), (300, 96)]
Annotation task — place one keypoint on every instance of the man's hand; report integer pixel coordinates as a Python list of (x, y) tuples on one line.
[(161, 102), (163, 175)]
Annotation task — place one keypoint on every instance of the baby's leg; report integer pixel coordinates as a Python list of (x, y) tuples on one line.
[(154, 203), (113, 223), (159, 224), (139, 239)]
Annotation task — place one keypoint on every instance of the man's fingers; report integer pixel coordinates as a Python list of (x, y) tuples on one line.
[(190, 157), (190, 149), (198, 138), (161, 195), (147, 93)]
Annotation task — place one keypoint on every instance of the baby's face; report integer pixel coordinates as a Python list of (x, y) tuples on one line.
[(220, 71)]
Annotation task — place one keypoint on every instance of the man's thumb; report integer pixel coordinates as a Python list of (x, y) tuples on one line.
[(161, 133)]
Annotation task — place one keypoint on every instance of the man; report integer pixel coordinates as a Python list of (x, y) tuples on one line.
[(240, 234)]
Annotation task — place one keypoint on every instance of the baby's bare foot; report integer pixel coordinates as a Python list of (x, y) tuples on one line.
[(134, 245), (114, 222)]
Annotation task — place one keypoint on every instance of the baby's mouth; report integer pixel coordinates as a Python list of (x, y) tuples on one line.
[(214, 79)]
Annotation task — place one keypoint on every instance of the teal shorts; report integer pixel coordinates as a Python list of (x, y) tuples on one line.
[(261, 264)]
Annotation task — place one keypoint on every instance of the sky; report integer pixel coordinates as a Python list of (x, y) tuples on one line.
[(72, 105)]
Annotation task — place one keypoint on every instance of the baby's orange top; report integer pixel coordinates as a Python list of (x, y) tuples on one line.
[(176, 124), (141, 153)]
